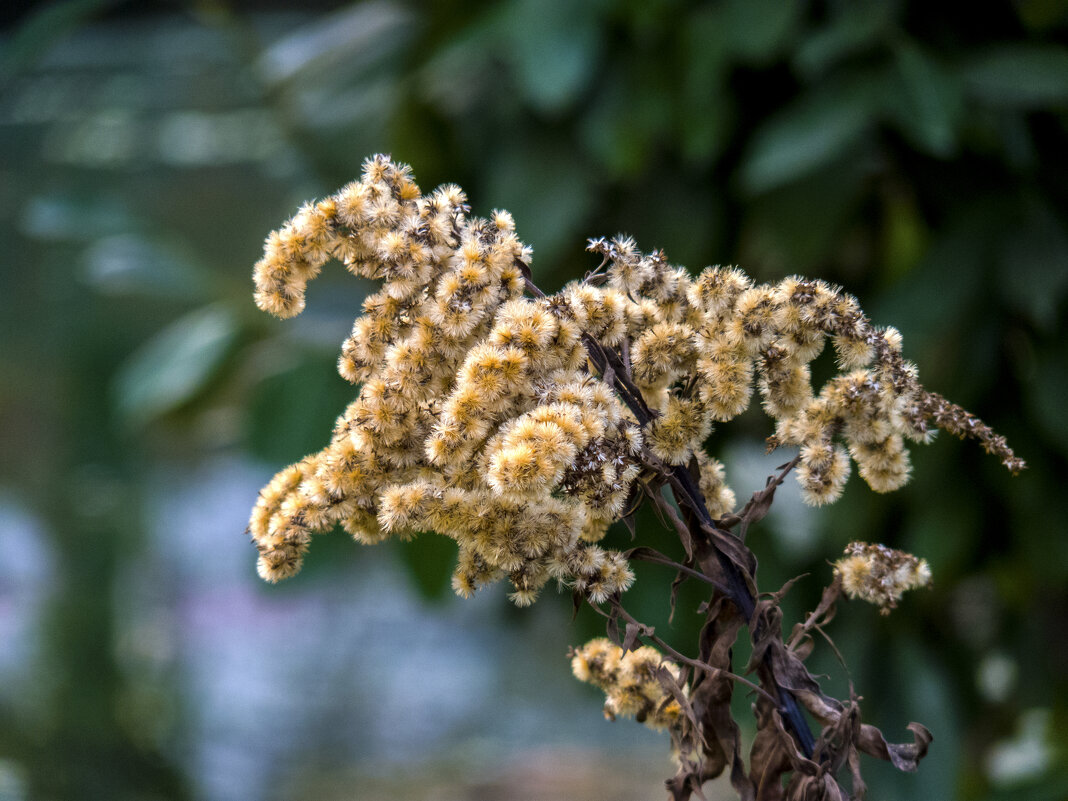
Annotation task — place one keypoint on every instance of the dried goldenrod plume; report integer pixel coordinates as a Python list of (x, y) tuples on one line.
[(522, 426), (478, 415), (880, 575)]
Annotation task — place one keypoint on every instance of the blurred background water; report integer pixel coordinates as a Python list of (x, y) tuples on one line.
[(913, 155)]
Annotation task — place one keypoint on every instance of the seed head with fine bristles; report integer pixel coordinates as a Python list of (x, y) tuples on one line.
[(479, 414)]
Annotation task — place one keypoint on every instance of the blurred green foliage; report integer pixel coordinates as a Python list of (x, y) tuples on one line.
[(911, 153)]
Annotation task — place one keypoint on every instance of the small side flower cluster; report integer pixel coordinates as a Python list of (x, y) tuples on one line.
[(633, 682), (880, 575), (475, 418)]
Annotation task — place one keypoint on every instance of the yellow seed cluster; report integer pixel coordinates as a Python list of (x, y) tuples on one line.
[(479, 414), (880, 575), (475, 418), (629, 681)]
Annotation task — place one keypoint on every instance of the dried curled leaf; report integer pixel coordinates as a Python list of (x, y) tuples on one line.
[(903, 756)]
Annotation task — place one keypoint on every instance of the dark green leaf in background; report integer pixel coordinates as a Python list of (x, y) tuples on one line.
[(810, 133), (1034, 253), (757, 30), (554, 46), (853, 27), (619, 139), (631, 114), (1049, 397), (928, 105), (339, 49), (549, 191), (175, 365), (707, 110), (1019, 75)]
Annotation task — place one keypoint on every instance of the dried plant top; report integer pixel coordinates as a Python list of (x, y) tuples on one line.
[(523, 425), (481, 414)]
